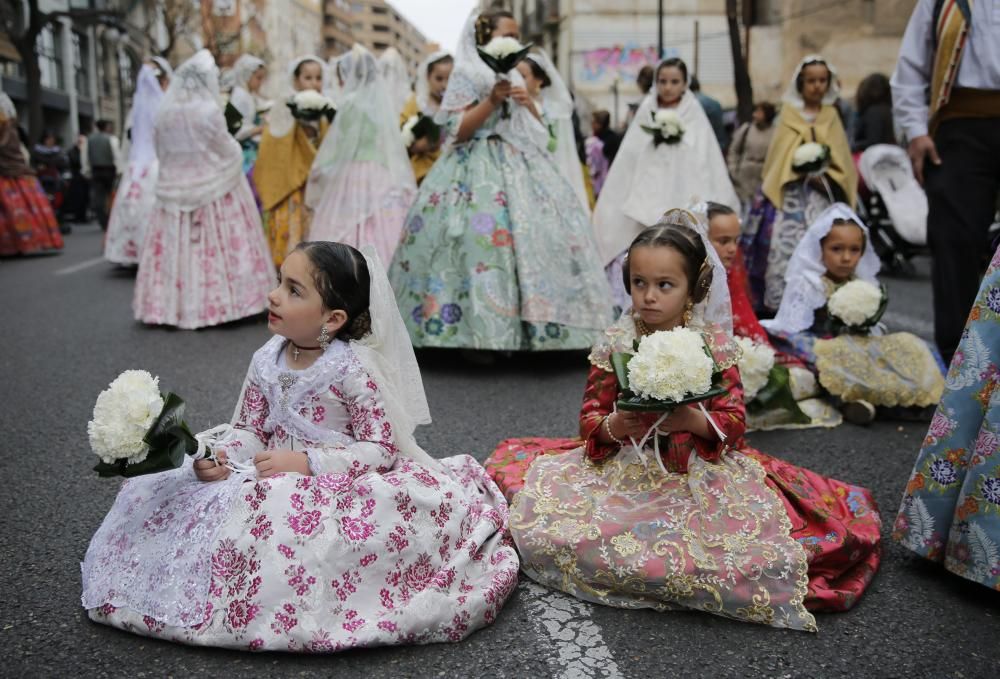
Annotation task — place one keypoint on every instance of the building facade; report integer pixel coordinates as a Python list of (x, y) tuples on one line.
[(375, 24), (88, 67)]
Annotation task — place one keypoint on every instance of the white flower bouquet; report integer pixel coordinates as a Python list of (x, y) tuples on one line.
[(755, 364), (669, 368), (137, 430), (811, 159), (310, 105), (666, 128), (856, 306), (420, 126), (502, 54)]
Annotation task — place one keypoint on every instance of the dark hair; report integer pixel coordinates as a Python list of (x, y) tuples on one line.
[(446, 59), (46, 133), (815, 62), (769, 110), (538, 72), (103, 125), (673, 62), (874, 89), (342, 278), (644, 79), (840, 221), (298, 67), (695, 84), (717, 210), (487, 23), (602, 118), (684, 241)]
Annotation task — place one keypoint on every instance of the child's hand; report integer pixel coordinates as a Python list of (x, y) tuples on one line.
[(280, 461), (627, 424), (421, 145), (212, 470), (521, 96), (689, 419)]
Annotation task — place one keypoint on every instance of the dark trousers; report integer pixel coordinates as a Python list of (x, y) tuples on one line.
[(962, 196), (102, 183)]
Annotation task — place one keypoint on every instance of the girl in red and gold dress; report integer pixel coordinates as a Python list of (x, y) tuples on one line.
[(727, 529), (27, 223)]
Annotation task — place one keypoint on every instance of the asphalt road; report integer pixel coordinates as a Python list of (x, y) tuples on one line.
[(67, 330)]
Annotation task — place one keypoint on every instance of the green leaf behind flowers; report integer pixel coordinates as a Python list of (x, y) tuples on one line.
[(777, 394)]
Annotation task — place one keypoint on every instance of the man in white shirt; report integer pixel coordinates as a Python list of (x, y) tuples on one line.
[(946, 99)]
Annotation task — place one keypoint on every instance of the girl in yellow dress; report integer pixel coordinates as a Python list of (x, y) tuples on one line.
[(432, 81), (287, 150)]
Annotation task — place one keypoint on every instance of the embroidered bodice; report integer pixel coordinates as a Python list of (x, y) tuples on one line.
[(331, 410)]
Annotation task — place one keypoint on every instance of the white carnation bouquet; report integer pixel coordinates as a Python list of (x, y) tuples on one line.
[(856, 306), (669, 368), (502, 54), (666, 128), (811, 159), (407, 131), (420, 126), (310, 105), (137, 430), (755, 364)]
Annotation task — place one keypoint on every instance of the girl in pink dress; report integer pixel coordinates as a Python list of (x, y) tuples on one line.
[(205, 260), (322, 525)]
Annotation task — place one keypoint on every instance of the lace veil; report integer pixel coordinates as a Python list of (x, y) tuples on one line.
[(393, 72), (387, 354), (792, 96), (281, 121), (366, 129), (146, 102), (241, 98), (557, 103), (199, 159), (472, 80), (425, 104), (804, 289)]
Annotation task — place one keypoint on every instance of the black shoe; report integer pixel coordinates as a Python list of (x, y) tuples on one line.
[(907, 414), (858, 412)]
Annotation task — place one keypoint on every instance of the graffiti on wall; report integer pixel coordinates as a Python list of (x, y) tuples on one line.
[(602, 64)]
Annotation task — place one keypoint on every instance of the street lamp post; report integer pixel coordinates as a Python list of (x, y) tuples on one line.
[(659, 30)]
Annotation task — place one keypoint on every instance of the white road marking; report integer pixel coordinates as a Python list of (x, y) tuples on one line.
[(577, 649), (86, 264)]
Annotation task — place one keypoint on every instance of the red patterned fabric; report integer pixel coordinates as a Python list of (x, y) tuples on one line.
[(836, 523), (27, 223), (745, 323)]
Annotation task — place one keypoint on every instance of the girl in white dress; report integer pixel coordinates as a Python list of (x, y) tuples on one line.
[(647, 179), (555, 105), (361, 183), (205, 260), (137, 190), (335, 530)]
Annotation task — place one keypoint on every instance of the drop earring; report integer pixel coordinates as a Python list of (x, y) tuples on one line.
[(324, 338), (688, 313)]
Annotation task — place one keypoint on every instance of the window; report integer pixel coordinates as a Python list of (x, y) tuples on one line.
[(379, 10), (380, 45), (80, 65), (380, 28), (47, 48), (128, 67)]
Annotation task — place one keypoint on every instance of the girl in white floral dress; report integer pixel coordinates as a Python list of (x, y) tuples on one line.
[(322, 526)]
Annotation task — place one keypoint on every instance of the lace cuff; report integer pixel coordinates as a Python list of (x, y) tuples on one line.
[(354, 460)]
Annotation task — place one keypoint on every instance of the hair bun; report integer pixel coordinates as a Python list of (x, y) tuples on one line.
[(360, 326)]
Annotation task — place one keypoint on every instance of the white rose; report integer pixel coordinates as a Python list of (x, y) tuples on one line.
[(500, 47), (755, 366), (671, 365), (855, 302), (407, 131), (123, 414)]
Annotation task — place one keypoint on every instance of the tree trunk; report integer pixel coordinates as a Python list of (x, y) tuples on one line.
[(741, 74)]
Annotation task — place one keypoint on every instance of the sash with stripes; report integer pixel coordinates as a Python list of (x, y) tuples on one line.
[(951, 31)]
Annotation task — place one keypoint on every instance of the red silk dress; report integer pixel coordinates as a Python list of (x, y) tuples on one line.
[(829, 528)]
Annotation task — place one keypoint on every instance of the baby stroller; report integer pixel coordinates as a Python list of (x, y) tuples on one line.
[(894, 205)]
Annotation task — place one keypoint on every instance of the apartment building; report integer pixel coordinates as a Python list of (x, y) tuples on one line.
[(375, 24)]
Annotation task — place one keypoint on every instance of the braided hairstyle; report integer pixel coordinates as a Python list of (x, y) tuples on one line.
[(684, 241), (717, 210), (840, 221), (487, 23), (341, 276)]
